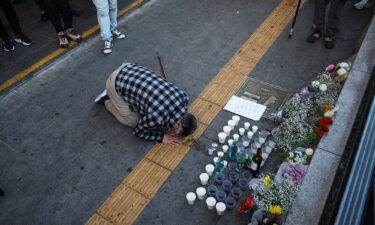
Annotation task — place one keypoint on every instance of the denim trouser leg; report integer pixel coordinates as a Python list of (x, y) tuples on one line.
[(105, 17), (113, 14)]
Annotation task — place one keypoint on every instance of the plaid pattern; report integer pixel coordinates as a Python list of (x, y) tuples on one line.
[(159, 102)]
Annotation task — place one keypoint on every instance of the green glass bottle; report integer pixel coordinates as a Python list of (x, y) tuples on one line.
[(256, 162), (219, 165)]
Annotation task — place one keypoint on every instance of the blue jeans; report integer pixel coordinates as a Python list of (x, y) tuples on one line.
[(107, 17)]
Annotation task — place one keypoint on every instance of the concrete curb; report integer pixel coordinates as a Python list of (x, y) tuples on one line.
[(309, 204)]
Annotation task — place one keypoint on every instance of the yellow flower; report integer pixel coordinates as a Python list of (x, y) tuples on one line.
[(275, 209), (266, 180)]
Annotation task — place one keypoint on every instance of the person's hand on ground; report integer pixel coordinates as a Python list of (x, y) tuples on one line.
[(171, 140)]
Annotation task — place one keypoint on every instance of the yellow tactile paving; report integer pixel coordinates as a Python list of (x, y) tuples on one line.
[(190, 140), (167, 156), (95, 219), (152, 171), (204, 111), (147, 177), (217, 93), (229, 78), (123, 206)]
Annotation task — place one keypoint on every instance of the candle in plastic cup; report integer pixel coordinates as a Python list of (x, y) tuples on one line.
[(201, 193), (254, 129), (225, 163), (211, 202), (204, 178), (220, 208), (225, 148), (236, 137), (220, 154), (236, 119), (268, 150), (190, 197), (227, 130), (250, 134), (230, 142), (222, 136), (246, 125), (231, 124), (264, 156), (241, 131), (211, 151), (210, 169), (215, 160)]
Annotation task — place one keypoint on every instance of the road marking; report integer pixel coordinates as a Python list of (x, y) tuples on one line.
[(51, 56), (205, 108)]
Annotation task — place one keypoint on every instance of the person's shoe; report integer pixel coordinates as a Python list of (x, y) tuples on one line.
[(72, 35), (8, 45), (102, 97), (117, 34), (315, 35), (329, 42), (63, 41), (107, 46), (23, 39), (362, 5)]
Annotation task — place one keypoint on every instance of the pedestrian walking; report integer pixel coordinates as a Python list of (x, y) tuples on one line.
[(144, 100), (64, 32), (331, 25), (11, 16), (107, 18)]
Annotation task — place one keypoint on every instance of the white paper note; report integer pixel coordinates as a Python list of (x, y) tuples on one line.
[(245, 108)]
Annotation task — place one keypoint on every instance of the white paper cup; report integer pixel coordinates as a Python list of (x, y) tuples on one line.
[(236, 137), (230, 142), (227, 130), (254, 129), (246, 125), (211, 202), (222, 136), (220, 154), (190, 197), (232, 124), (250, 134), (236, 119), (201, 193), (204, 178), (225, 148), (215, 159), (210, 169), (225, 163), (241, 131), (220, 208)]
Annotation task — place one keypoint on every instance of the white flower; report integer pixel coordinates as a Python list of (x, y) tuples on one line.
[(341, 71), (291, 154), (291, 161), (323, 87), (309, 151), (344, 65), (315, 83)]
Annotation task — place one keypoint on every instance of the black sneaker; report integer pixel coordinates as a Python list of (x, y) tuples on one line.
[(107, 46), (23, 39), (8, 45), (102, 97)]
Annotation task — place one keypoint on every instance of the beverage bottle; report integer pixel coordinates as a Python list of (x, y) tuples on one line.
[(256, 162), (219, 165), (240, 156), (232, 151)]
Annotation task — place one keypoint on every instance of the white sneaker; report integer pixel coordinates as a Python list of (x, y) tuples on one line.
[(117, 34), (102, 97), (362, 5), (107, 46)]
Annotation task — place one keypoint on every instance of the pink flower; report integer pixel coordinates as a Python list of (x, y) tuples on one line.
[(330, 67)]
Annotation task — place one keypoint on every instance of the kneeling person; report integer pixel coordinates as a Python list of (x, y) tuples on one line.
[(142, 99)]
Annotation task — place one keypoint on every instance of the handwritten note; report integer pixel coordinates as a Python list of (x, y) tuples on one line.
[(245, 108)]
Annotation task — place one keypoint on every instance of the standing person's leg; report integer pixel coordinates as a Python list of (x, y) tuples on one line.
[(12, 18), (102, 8), (318, 22), (333, 20), (116, 104), (53, 15), (68, 20), (7, 42), (113, 19)]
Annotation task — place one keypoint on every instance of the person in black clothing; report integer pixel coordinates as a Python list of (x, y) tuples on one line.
[(53, 9), (11, 16)]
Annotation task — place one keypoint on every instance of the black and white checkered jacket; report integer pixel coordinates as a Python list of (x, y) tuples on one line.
[(158, 101)]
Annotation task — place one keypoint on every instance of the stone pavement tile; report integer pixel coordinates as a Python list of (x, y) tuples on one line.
[(96, 219), (167, 156), (217, 93), (313, 193), (169, 206), (31, 120), (191, 139), (204, 111)]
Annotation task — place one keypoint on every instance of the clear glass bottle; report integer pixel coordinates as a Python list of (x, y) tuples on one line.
[(240, 156)]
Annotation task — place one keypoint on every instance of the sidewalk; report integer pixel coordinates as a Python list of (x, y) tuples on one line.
[(61, 155)]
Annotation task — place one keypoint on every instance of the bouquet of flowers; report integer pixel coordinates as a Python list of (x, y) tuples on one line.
[(275, 197)]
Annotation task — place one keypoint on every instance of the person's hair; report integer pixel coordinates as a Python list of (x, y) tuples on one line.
[(188, 124)]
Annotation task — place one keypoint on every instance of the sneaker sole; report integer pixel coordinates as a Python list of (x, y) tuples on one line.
[(19, 41), (107, 51), (8, 50), (119, 37)]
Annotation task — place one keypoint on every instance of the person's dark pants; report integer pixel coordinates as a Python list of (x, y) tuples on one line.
[(41, 5), (53, 8), (12, 18), (333, 17)]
